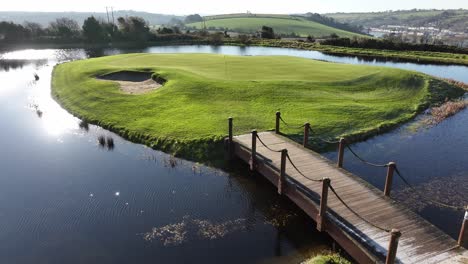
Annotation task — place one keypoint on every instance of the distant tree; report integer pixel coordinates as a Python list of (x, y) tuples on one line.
[(10, 31), (133, 28), (216, 38), (35, 29), (165, 30), (334, 36), (94, 30), (65, 28), (267, 33), (244, 39), (310, 38), (124, 27), (193, 18), (176, 30)]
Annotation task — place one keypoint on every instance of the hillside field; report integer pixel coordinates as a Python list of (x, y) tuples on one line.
[(189, 112), (281, 24)]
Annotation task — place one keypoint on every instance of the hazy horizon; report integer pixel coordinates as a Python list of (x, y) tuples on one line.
[(211, 7)]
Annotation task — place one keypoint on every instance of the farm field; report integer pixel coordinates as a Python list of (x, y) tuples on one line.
[(281, 24)]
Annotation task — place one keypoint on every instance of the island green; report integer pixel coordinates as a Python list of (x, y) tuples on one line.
[(187, 116)]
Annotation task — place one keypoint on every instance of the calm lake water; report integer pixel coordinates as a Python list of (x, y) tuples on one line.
[(66, 199)]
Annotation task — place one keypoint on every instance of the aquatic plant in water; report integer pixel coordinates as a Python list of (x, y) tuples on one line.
[(178, 233), (448, 190)]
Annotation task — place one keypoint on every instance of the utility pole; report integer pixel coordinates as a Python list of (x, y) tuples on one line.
[(107, 12), (112, 9)]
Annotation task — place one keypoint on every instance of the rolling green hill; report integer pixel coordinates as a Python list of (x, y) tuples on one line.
[(281, 24), (456, 20)]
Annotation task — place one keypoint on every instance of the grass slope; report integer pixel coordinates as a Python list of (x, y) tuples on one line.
[(280, 24), (190, 111)]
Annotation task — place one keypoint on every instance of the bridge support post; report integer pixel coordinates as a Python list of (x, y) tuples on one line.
[(230, 142), (393, 246), (321, 218), (463, 237), (388, 181), (341, 152), (254, 150), (282, 176), (306, 134), (277, 127)]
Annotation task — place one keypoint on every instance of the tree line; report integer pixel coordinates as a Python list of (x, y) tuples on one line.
[(390, 44), (93, 30)]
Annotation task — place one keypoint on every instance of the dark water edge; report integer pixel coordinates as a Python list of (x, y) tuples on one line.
[(61, 184)]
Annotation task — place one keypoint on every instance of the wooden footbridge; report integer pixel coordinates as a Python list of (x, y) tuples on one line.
[(367, 223)]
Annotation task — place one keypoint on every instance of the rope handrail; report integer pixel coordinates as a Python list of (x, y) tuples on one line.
[(430, 200), (290, 126), (270, 149), (355, 213), (365, 161), (300, 172)]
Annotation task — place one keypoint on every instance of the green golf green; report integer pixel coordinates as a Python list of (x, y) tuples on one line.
[(188, 114)]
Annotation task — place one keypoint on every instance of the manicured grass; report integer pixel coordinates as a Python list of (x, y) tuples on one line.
[(280, 24), (188, 115)]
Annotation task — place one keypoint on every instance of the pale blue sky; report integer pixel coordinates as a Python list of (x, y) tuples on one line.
[(229, 6)]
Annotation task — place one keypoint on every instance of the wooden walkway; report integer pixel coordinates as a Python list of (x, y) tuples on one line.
[(420, 241)]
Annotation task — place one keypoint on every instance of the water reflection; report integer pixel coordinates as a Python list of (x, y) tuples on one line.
[(83, 125), (106, 142), (7, 65)]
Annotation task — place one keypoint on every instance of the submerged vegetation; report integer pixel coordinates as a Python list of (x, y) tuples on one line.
[(448, 109), (187, 116)]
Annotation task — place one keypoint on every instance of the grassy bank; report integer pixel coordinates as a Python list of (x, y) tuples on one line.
[(408, 56), (187, 116)]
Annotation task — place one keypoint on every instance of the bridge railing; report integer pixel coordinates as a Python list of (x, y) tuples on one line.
[(327, 185)]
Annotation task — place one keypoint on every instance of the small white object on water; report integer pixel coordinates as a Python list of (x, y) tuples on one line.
[(91, 195), (117, 193), (126, 203), (173, 192)]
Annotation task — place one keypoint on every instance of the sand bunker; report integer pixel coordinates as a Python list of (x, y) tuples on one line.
[(132, 82)]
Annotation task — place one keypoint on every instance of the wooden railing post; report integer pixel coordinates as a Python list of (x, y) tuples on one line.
[(306, 134), (230, 142), (282, 176), (277, 127), (388, 181), (321, 218), (254, 150), (341, 152), (393, 246), (463, 237)]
